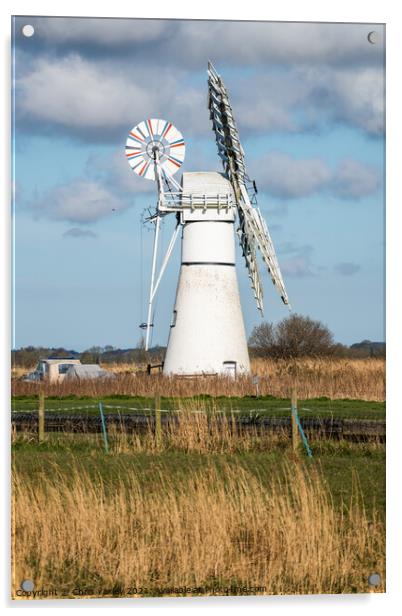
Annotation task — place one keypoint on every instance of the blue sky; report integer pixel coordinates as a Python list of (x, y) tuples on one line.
[(309, 103)]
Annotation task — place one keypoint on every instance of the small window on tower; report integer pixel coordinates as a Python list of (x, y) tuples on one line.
[(174, 318)]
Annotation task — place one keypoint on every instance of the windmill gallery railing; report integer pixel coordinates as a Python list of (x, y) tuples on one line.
[(177, 201)]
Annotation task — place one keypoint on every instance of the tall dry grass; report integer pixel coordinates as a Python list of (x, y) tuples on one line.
[(18, 372), (362, 379), (209, 531), (198, 430)]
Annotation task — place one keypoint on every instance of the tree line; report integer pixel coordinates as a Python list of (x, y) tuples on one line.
[(294, 336), (26, 357)]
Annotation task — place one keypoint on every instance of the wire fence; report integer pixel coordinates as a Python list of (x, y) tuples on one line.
[(98, 416), (336, 411), (141, 409)]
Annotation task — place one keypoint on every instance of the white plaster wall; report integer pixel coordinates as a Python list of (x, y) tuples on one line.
[(208, 325)]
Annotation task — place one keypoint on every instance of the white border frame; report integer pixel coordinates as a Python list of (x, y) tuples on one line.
[(385, 11)]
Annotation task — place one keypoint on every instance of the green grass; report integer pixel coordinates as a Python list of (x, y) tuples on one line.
[(276, 407), (342, 464)]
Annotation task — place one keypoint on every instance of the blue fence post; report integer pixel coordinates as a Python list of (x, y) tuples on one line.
[(296, 425), (304, 437), (293, 407), (104, 431)]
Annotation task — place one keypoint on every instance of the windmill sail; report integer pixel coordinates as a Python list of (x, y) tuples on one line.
[(253, 231)]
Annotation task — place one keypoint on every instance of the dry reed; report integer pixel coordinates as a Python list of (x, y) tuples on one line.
[(207, 532), (362, 379), (196, 429)]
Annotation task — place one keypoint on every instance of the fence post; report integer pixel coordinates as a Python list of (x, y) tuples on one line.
[(41, 417), (104, 431), (158, 421), (297, 427), (295, 437), (256, 381)]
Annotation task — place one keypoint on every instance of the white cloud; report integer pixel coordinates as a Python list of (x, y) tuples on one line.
[(296, 262), (189, 42), (80, 201), (113, 171), (353, 96), (305, 98), (109, 186), (99, 31), (354, 180), (267, 43), (285, 177), (93, 94), (296, 267), (362, 97), (96, 100), (288, 178), (260, 114), (76, 232), (347, 269), (76, 93)]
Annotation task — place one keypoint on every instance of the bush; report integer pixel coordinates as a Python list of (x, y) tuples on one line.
[(295, 336)]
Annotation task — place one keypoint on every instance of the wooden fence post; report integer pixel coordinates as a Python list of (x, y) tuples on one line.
[(41, 417), (158, 420), (295, 435)]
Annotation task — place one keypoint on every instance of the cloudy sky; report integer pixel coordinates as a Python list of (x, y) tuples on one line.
[(309, 104)]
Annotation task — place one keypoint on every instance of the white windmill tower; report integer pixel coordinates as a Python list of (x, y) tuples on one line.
[(207, 334)]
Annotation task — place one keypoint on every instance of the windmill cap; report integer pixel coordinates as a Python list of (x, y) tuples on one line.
[(206, 182)]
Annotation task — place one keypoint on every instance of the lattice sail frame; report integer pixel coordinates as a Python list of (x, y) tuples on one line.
[(253, 232)]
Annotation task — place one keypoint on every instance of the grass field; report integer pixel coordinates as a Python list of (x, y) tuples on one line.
[(205, 508), (202, 511), (262, 405)]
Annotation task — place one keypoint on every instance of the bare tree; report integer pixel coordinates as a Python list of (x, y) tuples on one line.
[(295, 336), (262, 339)]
